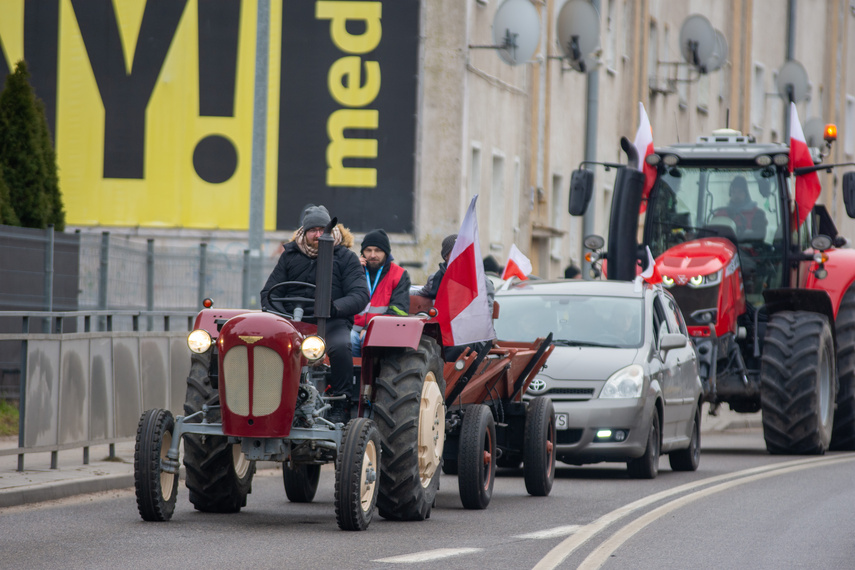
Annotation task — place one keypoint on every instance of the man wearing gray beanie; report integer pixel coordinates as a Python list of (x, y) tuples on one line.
[(388, 285), (298, 262)]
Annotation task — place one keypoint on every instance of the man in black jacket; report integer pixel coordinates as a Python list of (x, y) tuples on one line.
[(298, 262)]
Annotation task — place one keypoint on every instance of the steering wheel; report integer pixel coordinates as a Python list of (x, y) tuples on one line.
[(278, 302)]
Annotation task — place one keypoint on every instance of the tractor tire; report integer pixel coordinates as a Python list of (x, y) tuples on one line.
[(647, 466), (688, 459), (218, 475), (356, 466), (477, 457), (156, 489), (797, 383), (843, 433), (301, 481), (539, 449), (409, 410)]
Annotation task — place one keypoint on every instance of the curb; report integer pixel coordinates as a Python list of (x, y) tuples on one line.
[(63, 489)]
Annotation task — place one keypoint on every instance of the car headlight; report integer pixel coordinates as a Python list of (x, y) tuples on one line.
[(313, 348), (199, 341), (625, 383)]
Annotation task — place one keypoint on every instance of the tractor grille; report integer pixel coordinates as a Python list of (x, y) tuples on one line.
[(267, 381), (693, 301)]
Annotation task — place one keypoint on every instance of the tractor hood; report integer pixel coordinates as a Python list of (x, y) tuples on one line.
[(702, 256)]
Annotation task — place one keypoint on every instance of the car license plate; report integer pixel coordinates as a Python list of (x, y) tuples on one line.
[(561, 421)]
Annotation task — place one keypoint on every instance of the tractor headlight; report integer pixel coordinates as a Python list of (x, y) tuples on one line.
[(667, 281), (199, 341), (705, 280), (313, 348), (625, 383)]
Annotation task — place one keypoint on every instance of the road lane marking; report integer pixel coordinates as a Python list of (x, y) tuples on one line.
[(603, 552), (428, 555), (557, 555), (550, 532)]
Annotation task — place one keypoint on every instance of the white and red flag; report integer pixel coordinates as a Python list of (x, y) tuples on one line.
[(644, 146), (807, 185), (518, 264), (464, 312), (651, 274)]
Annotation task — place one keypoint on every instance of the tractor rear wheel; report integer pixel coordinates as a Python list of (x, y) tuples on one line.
[(539, 450), (409, 410), (156, 489), (301, 481), (219, 476), (843, 434), (797, 383), (356, 466), (477, 457)]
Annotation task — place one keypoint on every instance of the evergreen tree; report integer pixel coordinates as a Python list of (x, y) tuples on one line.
[(56, 214), (7, 213), (22, 151)]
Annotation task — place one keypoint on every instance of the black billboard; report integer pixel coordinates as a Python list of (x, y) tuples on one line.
[(347, 123)]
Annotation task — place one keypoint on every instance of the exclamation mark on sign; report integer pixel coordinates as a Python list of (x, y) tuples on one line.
[(215, 156)]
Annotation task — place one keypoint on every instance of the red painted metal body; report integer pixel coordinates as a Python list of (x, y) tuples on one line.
[(250, 333), (841, 275)]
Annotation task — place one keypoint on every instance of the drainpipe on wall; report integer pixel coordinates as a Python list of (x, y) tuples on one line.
[(593, 94)]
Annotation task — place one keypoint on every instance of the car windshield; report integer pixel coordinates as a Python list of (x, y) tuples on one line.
[(573, 320)]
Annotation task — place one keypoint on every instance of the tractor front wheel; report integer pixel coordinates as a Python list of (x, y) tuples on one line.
[(843, 434), (156, 489), (409, 409), (301, 481), (797, 383), (356, 467)]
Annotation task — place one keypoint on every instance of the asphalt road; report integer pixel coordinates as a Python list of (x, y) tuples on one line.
[(743, 508)]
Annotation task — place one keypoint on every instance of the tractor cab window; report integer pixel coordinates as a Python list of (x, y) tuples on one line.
[(739, 204)]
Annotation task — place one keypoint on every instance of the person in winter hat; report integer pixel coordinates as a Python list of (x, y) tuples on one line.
[(298, 262), (388, 284)]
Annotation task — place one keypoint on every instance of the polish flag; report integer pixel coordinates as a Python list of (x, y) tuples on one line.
[(644, 146), (651, 274), (518, 264), (464, 312), (807, 185)]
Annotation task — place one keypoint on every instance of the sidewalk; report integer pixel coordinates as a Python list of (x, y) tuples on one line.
[(38, 482)]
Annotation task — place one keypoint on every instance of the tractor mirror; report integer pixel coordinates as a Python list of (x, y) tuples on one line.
[(581, 189), (849, 193)]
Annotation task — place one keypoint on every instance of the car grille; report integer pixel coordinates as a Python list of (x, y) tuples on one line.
[(568, 436), (564, 394), (266, 385)]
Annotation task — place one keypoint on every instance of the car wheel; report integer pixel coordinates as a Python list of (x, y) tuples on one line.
[(647, 466), (688, 459)]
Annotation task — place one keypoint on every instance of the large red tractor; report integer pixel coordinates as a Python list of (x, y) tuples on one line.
[(770, 306)]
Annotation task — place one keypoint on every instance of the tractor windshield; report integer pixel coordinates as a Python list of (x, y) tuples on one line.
[(740, 204)]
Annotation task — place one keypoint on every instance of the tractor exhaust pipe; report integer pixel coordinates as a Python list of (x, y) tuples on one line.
[(623, 226)]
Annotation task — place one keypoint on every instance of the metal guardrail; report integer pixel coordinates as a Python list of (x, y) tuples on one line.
[(81, 389)]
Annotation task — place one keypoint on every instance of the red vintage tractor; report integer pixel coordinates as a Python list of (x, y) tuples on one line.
[(255, 393), (769, 303)]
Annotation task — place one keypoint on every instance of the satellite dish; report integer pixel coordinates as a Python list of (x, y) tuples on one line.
[(516, 30), (697, 40), (814, 131), (792, 82), (579, 34), (719, 54)]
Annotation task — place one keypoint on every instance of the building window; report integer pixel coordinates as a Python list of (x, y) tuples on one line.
[(849, 137), (497, 202)]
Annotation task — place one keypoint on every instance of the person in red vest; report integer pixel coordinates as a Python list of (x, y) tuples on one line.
[(388, 285)]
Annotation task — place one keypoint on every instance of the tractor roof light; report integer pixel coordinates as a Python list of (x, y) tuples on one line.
[(830, 134), (782, 159), (671, 159), (763, 160), (199, 341), (652, 159)]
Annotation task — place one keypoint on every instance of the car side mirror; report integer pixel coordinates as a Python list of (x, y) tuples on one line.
[(671, 341), (849, 193), (581, 190)]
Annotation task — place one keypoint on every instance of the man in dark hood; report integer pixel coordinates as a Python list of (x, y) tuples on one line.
[(298, 262), (749, 218), (388, 284)]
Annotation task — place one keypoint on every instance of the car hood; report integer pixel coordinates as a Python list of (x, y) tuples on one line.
[(587, 362)]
